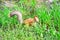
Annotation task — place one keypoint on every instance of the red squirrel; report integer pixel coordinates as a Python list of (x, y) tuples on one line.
[(28, 21)]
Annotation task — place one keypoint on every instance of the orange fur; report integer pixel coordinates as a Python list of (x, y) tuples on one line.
[(29, 21)]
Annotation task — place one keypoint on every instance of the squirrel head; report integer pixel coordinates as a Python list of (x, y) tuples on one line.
[(36, 19)]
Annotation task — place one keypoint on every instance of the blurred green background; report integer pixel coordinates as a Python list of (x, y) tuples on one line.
[(48, 27)]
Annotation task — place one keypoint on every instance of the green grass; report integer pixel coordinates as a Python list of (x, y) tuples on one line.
[(47, 29)]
